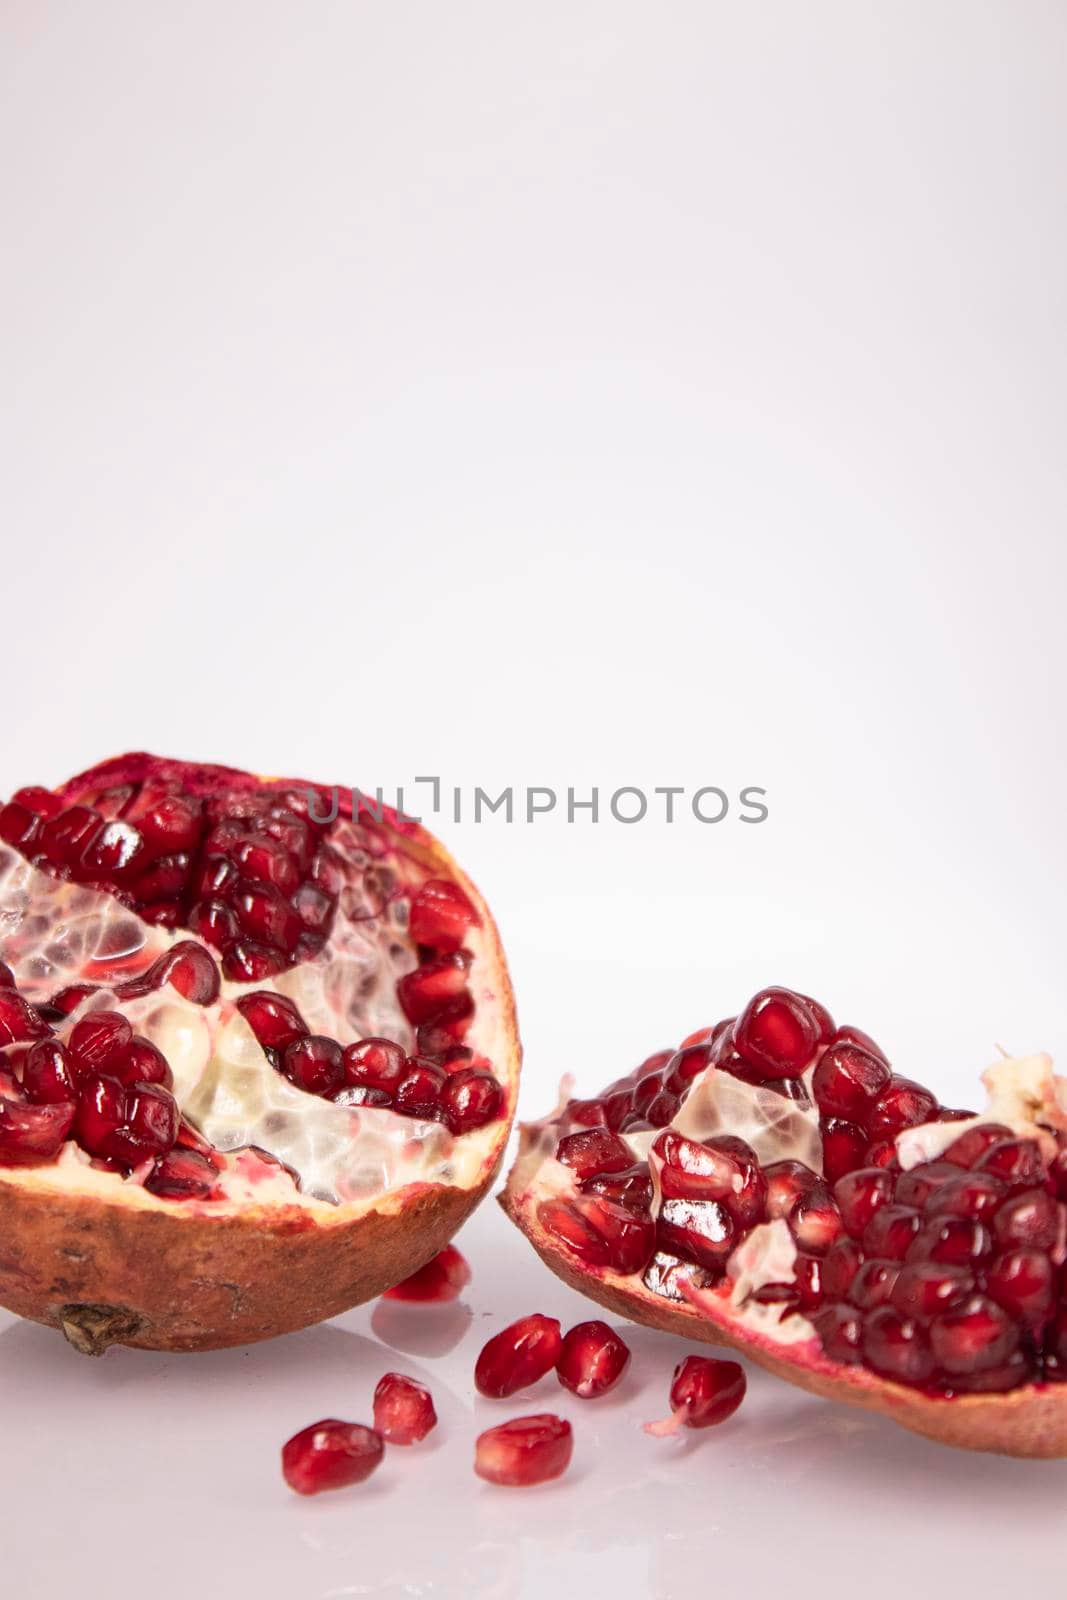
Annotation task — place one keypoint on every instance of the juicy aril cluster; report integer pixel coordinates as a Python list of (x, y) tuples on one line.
[(216, 1000), (775, 1176)]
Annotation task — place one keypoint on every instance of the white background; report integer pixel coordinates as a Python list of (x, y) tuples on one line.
[(580, 395)]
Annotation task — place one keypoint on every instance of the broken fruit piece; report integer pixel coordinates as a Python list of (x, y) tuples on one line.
[(518, 1356), (443, 1278), (524, 1451), (796, 1198), (219, 1117), (403, 1409), (330, 1455)]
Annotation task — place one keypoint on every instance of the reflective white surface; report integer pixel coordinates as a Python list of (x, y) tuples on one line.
[(159, 1475)]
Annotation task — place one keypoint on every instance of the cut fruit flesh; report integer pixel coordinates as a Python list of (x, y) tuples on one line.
[(926, 1280), (276, 1205)]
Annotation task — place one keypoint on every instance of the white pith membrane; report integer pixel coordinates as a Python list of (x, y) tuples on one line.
[(54, 934), (1023, 1094)]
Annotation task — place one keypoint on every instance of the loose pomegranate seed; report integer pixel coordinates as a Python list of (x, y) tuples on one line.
[(442, 1279), (703, 1392), (524, 1451), (847, 1082), (777, 1033), (403, 1409), (100, 1040), (441, 915), (518, 1356), (49, 1076), (183, 1175), (592, 1359), (32, 1134), (470, 1099), (314, 1064), (330, 1455), (902, 1104), (424, 993), (594, 1151)]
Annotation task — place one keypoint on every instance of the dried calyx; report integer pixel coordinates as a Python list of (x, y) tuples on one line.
[(774, 1184)]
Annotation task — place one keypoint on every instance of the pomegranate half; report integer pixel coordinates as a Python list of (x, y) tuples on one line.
[(774, 1186), (258, 1056)]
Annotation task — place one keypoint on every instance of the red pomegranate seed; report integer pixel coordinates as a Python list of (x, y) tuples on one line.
[(815, 1221), (273, 1018), (914, 1188), (857, 1037), (896, 1346), (954, 1241), (847, 1082), (699, 1230), (248, 961), (418, 1094), (265, 860), (723, 1169), (32, 1134), (839, 1267), (902, 1104), (684, 1066), (883, 1153), (844, 1148), (777, 1033), (330, 1455), (860, 1195), (787, 1181), (703, 1392), (7, 977), (600, 1233), (403, 1409), (143, 1063), (840, 1329), (593, 1151), (441, 915), (592, 1359), (49, 1076), (1023, 1282), (65, 838), (923, 1288), (424, 993), (173, 823), (824, 1022), (632, 1188), (972, 1145), (126, 1124), (375, 1064), (183, 1175), (874, 1284), (972, 1194), (19, 1022), (1017, 1162), (470, 1099), (973, 1336), (314, 1064), (448, 1028), (518, 1356), (19, 825), (1031, 1219), (890, 1232), (100, 1040), (524, 1451), (442, 1279)]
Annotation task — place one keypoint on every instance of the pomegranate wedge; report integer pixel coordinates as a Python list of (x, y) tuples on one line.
[(774, 1186), (236, 1094)]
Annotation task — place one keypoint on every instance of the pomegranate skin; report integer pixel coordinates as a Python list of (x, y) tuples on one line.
[(168, 1274)]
